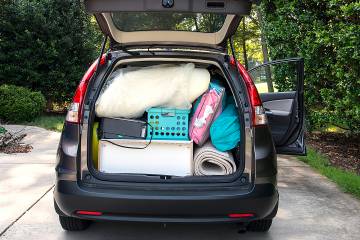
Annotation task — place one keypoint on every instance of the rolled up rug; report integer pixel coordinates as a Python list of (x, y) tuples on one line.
[(210, 161)]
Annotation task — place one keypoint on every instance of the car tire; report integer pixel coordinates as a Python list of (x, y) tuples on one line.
[(262, 225), (73, 224)]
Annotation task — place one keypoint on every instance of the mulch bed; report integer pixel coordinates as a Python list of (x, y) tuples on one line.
[(11, 142), (19, 148), (343, 151)]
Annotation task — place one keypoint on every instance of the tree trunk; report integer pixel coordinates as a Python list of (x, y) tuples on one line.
[(244, 44), (49, 105), (265, 52), (196, 23)]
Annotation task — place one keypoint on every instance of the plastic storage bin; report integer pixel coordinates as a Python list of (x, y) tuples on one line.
[(169, 158), (168, 124)]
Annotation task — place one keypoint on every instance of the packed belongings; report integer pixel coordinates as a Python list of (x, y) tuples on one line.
[(210, 161), (170, 124), (144, 126), (122, 127), (131, 91), (172, 158), (225, 130), (207, 108)]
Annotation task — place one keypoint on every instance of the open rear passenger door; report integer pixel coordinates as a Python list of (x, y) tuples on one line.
[(281, 88)]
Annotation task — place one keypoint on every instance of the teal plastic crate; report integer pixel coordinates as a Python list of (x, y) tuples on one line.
[(168, 124)]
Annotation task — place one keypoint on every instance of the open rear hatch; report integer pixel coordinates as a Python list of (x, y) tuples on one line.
[(182, 22), (196, 23)]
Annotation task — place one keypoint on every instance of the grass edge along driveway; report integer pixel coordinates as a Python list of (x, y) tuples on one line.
[(348, 181)]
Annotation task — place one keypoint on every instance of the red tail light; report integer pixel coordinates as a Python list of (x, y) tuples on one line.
[(258, 112), (241, 215), (91, 213), (75, 110)]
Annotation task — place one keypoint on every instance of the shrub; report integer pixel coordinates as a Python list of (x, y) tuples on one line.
[(46, 45), (327, 35), (19, 104)]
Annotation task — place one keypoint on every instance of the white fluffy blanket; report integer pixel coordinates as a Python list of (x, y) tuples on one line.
[(210, 161), (130, 91)]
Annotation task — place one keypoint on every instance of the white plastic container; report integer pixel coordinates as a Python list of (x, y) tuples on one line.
[(172, 158)]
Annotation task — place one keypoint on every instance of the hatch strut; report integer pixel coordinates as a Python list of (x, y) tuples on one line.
[(242, 101), (101, 54), (234, 54)]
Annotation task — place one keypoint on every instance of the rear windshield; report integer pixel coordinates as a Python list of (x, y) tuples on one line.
[(153, 21)]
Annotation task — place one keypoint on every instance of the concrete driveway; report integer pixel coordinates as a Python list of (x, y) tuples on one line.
[(311, 207)]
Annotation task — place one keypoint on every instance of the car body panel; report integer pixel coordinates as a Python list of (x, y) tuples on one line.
[(77, 189), (169, 206)]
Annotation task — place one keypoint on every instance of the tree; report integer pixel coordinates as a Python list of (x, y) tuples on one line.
[(265, 51), (327, 35), (247, 41), (46, 45)]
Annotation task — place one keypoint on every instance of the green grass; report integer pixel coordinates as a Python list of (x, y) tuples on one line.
[(50, 122), (348, 181)]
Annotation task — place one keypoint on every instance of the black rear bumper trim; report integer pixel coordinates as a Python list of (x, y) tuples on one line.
[(165, 206)]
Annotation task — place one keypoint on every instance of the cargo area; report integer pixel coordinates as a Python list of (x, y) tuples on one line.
[(169, 120)]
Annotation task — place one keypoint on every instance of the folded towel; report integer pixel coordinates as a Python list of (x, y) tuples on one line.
[(210, 161)]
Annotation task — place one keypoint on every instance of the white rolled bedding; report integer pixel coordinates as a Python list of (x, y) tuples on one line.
[(129, 92), (210, 161)]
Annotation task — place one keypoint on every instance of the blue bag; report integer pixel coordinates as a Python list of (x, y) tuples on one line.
[(225, 130)]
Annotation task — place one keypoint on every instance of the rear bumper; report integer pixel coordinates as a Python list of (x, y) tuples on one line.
[(169, 206)]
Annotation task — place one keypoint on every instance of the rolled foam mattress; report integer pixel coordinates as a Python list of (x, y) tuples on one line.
[(210, 161), (129, 92)]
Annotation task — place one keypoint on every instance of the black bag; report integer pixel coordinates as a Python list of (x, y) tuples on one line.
[(114, 128)]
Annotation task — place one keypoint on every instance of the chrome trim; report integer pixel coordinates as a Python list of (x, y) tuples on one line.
[(83, 136)]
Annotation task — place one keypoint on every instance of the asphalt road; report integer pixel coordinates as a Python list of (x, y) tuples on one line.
[(311, 207)]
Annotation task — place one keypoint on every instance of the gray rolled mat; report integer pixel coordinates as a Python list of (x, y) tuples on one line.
[(210, 161)]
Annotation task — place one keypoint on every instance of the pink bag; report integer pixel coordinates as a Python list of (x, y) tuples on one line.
[(206, 112)]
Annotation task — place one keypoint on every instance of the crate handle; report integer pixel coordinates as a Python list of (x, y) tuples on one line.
[(168, 113)]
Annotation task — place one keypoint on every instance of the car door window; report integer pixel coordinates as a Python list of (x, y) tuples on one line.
[(280, 86), (281, 77)]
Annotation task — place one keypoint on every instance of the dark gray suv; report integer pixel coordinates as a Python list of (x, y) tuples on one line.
[(141, 33)]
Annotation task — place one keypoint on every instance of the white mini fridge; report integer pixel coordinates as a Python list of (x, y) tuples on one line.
[(160, 157)]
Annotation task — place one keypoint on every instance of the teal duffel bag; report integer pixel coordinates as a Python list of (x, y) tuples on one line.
[(225, 130)]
